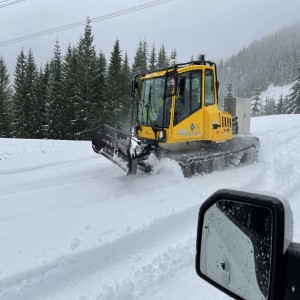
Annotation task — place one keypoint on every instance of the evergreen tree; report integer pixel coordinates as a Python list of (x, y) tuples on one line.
[(173, 54), (270, 107), (152, 59), (87, 83), (256, 104), (5, 100), (19, 123), (140, 60), (40, 103), (281, 106), (162, 60), (55, 108), (100, 91), (31, 103), (229, 95), (44, 77), (70, 89), (126, 106), (229, 91), (114, 92), (294, 96), (286, 104)]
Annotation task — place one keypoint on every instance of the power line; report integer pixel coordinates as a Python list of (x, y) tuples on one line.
[(81, 23), (10, 3)]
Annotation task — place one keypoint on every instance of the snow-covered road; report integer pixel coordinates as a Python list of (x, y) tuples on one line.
[(74, 226)]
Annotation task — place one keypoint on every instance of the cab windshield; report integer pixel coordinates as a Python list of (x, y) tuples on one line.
[(151, 105)]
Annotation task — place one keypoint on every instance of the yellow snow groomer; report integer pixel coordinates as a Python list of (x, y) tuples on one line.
[(175, 114)]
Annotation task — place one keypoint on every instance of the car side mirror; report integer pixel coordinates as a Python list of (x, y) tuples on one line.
[(242, 243)]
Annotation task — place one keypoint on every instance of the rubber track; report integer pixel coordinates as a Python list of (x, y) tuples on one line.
[(216, 161)]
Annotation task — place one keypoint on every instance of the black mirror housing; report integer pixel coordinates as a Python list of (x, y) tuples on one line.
[(278, 242), (218, 85), (171, 84), (134, 87), (181, 86)]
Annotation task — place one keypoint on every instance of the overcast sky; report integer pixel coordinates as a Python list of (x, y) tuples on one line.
[(218, 28)]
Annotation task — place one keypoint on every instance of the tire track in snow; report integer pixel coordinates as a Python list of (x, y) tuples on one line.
[(42, 166), (60, 176), (98, 263), (160, 268), (95, 263), (153, 270)]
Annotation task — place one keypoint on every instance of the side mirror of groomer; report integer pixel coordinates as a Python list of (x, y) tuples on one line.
[(244, 246)]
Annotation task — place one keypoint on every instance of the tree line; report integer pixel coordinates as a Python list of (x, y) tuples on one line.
[(288, 104), (73, 93)]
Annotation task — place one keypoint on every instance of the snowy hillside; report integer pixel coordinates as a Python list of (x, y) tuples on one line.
[(272, 59), (74, 226), (274, 92)]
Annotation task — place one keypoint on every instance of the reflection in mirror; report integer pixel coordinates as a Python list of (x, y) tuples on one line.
[(170, 86), (236, 247)]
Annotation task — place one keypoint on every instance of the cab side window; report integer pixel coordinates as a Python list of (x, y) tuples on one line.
[(209, 88), (196, 79), (190, 96), (182, 106)]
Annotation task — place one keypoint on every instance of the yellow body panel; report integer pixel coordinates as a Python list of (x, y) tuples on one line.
[(182, 132), (146, 132), (206, 124)]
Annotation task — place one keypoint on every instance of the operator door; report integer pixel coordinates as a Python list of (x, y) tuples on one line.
[(188, 120)]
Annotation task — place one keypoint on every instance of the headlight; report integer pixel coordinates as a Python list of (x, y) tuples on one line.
[(161, 136)]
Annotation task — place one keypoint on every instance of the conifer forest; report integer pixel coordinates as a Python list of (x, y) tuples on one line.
[(76, 91)]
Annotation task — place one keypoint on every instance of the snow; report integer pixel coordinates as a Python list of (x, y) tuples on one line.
[(274, 92), (74, 226)]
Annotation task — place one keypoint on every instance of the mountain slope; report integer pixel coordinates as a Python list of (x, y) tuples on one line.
[(272, 60)]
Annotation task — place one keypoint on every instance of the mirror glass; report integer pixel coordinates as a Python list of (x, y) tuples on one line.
[(236, 247)]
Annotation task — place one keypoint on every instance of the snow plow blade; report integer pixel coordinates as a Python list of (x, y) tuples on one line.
[(114, 144)]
